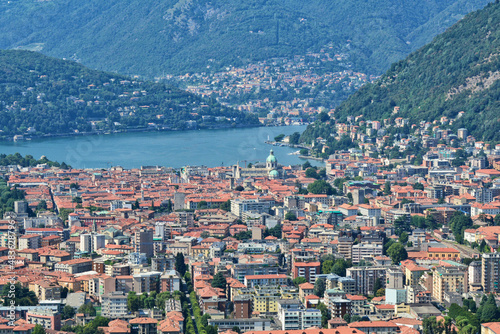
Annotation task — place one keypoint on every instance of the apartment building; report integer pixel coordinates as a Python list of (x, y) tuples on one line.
[(447, 279), (490, 268), (114, 305), (308, 270)]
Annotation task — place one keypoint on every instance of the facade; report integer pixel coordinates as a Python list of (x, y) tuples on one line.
[(365, 278), (490, 268), (365, 251), (47, 318), (74, 266), (265, 280), (308, 270), (143, 242), (245, 325), (293, 315), (239, 206), (447, 279), (114, 305), (143, 326)]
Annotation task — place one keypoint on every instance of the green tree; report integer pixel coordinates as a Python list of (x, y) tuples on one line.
[(133, 302), (42, 206), (325, 314), (380, 292), (23, 296), (298, 281), (321, 187), (219, 281), (403, 238), (226, 206), (294, 138), (418, 186), (432, 326), (319, 287), (38, 329), (459, 222), (340, 267), (67, 312), (290, 216), (347, 317), (279, 137), (397, 253), (180, 264), (377, 285), (327, 266), (311, 172), (87, 309), (387, 188)]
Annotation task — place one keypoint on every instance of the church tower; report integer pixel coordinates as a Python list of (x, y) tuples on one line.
[(271, 161)]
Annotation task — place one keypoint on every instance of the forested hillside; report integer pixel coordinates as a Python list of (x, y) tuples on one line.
[(458, 71), (153, 37), (40, 95)]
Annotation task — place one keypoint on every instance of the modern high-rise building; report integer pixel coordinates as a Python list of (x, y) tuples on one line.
[(143, 242), (490, 267), (90, 242)]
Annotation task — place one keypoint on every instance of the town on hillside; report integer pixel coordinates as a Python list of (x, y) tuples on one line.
[(370, 242)]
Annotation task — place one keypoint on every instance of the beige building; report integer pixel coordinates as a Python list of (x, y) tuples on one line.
[(447, 279)]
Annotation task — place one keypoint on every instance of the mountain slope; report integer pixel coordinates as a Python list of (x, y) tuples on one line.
[(458, 71), (40, 95), (150, 37)]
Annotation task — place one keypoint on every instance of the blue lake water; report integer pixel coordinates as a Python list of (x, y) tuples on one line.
[(171, 149)]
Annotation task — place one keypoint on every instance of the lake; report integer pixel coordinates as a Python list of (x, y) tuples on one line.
[(171, 149)]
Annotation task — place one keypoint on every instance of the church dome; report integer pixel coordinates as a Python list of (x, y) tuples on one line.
[(274, 174), (271, 157)]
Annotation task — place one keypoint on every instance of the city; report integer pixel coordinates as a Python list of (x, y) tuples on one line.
[(364, 243)]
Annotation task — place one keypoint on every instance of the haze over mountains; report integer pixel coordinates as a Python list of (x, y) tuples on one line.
[(152, 37), (454, 80)]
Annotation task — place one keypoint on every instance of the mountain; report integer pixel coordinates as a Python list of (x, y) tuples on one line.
[(458, 71), (40, 95), (153, 37)]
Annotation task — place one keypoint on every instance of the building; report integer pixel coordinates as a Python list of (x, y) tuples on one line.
[(395, 293), (245, 325), (339, 307), (377, 327), (74, 266), (242, 307), (170, 281), (271, 169), (474, 275), (32, 241), (365, 251), (308, 270), (490, 328), (447, 279), (443, 253), (47, 318), (490, 268), (91, 242), (146, 282), (114, 305), (143, 242), (143, 326), (293, 315), (265, 280), (365, 278), (238, 206)]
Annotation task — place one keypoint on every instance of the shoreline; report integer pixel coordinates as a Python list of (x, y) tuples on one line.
[(28, 138)]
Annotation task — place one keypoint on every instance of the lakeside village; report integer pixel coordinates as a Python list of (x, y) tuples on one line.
[(364, 245)]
